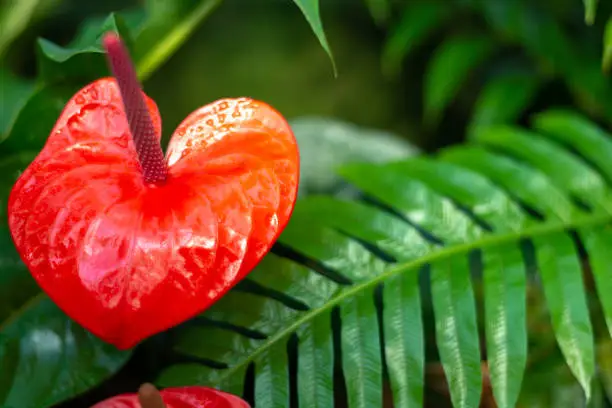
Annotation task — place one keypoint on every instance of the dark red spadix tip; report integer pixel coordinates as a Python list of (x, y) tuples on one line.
[(149, 397), (149, 150)]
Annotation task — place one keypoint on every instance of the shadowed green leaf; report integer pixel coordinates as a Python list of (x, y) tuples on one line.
[(450, 67), (11, 167), (606, 61), (14, 93), (83, 59), (418, 21), (504, 98), (310, 9), (379, 9), (37, 117), (590, 9)]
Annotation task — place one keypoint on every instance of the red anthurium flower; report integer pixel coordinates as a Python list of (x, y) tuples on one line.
[(128, 242), (183, 397)]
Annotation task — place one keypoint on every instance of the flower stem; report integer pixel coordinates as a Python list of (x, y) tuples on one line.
[(147, 145)]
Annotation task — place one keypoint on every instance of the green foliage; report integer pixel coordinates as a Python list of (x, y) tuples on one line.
[(323, 148), (15, 16), (525, 37), (310, 9), (448, 69), (380, 10), (83, 58), (590, 8), (17, 91), (503, 99), (166, 28), (530, 199), (607, 51)]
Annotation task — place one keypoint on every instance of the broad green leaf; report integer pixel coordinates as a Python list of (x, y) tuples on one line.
[(404, 348), (294, 280), (505, 321), (83, 59), (36, 119), (389, 185), (469, 188), (263, 315), (504, 98), (394, 237), (16, 284), (456, 330), (578, 132), (449, 68), (323, 149), (418, 21), (528, 184), (565, 295), (272, 378), (168, 26), (606, 61), (567, 171), (332, 249), (379, 9), (45, 357), (316, 363), (590, 9), (14, 93), (11, 167), (361, 355), (598, 241), (310, 9)]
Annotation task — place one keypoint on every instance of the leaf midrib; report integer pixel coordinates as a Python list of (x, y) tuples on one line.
[(487, 241)]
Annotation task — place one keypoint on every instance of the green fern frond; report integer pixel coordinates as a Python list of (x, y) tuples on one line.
[(344, 281)]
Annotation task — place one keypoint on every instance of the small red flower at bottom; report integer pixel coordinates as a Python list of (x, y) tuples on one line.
[(183, 397), (129, 243)]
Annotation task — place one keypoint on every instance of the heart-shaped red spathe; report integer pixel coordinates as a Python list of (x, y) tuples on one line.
[(127, 259), (183, 397)]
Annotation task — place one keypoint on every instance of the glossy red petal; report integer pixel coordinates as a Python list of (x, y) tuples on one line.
[(183, 397), (127, 259), (227, 136)]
